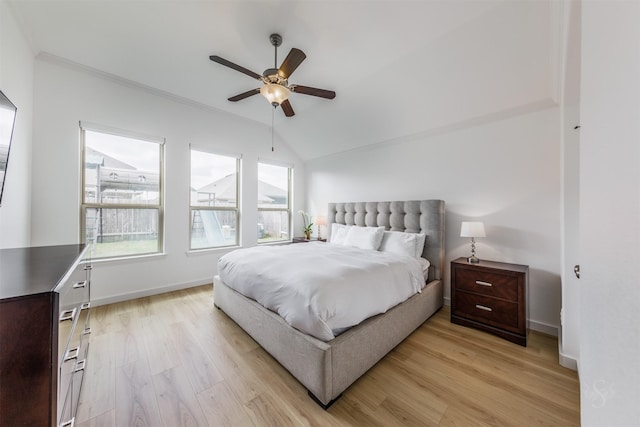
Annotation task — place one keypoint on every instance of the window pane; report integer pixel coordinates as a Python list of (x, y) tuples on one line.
[(121, 232), (214, 179), (212, 229), (273, 226), (273, 186), (121, 170)]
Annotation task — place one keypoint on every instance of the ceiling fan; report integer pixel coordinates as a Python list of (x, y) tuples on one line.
[(276, 87)]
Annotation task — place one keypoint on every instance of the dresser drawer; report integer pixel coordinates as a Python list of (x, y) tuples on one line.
[(76, 293), (495, 312), (488, 283), (71, 374), (78, 332)]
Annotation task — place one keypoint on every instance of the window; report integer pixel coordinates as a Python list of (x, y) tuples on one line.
[(214, 200), (274, 203), (122, 207)]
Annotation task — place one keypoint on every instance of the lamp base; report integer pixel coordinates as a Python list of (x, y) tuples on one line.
[(473, 260)]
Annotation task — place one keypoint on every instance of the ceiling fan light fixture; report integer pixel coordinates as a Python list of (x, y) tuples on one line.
[(276, 94)]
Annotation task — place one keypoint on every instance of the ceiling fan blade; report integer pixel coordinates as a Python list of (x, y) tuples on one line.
[(291, 62), (286, 107), (222, 61), (244, 95), (306, 90)]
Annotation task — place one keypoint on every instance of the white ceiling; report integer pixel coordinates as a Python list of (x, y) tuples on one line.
[(399, 68)]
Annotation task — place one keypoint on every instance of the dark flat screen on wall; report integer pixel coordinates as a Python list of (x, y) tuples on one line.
[(7, 122)]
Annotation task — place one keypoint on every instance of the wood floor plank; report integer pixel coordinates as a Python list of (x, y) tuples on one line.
[(201, 371), (174, 359), (136, 403), (179, 406), (268, 410), (230, 363), (222, 408), (129, 339), (108, 419), (162, 351), (98, 387)]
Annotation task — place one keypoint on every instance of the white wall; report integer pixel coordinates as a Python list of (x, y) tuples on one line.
[(505, 173), (16, 82), (65, 94), (610, 214)]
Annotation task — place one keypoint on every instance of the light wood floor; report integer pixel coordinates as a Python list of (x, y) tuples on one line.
[(174, 360)]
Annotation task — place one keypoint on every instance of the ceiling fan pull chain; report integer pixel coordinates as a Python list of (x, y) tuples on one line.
[(272, 114)]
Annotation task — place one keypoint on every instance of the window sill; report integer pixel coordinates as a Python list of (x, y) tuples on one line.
[(121, 259), (196, 252)]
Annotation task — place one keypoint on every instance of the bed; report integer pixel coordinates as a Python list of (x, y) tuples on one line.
[(327, 368)]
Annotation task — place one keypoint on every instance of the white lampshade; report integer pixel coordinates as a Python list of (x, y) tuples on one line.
[(321, 220), (275, 93), (472, 229)]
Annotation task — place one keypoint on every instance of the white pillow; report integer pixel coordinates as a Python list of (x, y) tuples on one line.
[(364, 237), (420, 239), (397, 242), (338, 233), (400, 243)]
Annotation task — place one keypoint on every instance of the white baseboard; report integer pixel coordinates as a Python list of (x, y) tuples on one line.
[(543, 327), (147, 292), (567, 361)]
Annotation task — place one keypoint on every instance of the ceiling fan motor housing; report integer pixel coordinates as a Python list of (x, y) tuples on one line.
[(272, 75)]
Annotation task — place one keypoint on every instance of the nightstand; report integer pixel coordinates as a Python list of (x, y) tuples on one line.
[(491, 296)]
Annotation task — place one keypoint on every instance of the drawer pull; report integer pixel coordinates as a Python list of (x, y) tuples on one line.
[(79, 285), (80, 365), (72, 354), (481, 283), (69, 423), (85, 306), (68, 315), (88, 267), (484, 307), (86, 331)]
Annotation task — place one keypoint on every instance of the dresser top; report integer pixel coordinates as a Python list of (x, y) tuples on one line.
[(29, 271), (494, 264)]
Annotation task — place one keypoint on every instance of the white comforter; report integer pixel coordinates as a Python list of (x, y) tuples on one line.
[(322, 288)]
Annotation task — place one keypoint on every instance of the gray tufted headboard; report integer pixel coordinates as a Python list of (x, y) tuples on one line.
[(416, 216)]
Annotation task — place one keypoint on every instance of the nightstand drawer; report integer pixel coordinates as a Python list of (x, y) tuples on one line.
[(487, 283), (499, 313)]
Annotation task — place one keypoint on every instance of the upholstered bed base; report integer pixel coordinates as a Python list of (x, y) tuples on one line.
[(326, 369)]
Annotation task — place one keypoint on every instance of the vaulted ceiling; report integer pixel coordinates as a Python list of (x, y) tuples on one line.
[(399, 68)]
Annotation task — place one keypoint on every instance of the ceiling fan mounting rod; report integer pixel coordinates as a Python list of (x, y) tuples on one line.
[(276, 40)]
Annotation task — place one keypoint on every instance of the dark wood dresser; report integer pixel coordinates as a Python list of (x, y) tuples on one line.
[(491, 296), (44, 327)]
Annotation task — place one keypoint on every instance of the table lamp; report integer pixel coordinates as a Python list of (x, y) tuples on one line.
[(321, 221), (472, 229)]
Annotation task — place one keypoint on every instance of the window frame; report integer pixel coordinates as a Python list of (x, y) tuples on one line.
[(288, 209), (84, 126), (238, 158)]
